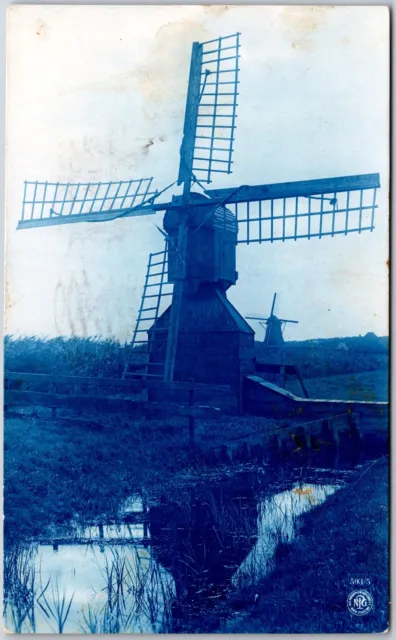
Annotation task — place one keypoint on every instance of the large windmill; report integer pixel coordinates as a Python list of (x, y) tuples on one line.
[(274, 326), (201, 336)]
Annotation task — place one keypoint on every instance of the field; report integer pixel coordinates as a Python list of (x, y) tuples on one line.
[(96, 357), (367, 385)]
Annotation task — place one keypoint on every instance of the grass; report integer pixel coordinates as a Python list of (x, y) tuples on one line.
[(67, 356), (55, 606), (135, 591), (55, 471), (319, 358), (20, 587), (368, 386), (98, 357)]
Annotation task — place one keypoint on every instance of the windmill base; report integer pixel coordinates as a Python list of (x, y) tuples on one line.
[(215, 347)]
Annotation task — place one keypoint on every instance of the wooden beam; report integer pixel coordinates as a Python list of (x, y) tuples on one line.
[(100, 216), (44, 378), (94, 403), (127, 384), (190, 117), (177, 299), (306, 188)]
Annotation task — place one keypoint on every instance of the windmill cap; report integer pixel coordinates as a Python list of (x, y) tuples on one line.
[(210, 216)]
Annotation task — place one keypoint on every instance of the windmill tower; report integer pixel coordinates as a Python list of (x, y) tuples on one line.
[(201, 336), (274, 326)]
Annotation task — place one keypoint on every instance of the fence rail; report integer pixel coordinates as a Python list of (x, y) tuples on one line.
[(105, 405), (126, 384)]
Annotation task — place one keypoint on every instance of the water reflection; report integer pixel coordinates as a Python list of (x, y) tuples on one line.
[(80, 588), (161, 568), (278, 524), (201, 537)]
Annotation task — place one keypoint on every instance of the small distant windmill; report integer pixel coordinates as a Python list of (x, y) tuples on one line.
[(201, 336), (274, 326)]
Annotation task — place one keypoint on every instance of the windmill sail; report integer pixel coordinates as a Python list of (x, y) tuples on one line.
[(306, 209), (210, 118), (157, 292), (51, 203)]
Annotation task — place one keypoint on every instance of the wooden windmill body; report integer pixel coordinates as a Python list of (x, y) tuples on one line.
[(200, 336)]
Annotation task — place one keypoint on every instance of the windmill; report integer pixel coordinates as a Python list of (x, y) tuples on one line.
[(274, 326), (201, 336)]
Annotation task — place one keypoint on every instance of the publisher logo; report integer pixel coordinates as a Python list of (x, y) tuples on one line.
[(360, 602)]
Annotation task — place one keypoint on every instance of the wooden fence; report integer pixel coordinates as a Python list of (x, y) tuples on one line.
[(128, 385), (102, 400)]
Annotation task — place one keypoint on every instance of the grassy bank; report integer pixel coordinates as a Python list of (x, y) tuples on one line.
[(56, 469), (345, 538)]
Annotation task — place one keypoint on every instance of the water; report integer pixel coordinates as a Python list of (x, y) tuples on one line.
[(278, 523), (163, 565)]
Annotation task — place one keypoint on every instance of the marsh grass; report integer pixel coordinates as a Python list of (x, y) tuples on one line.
[(55, 606), (95, 356), (68, 356), (135, 595), (138, 596), (20, 588)]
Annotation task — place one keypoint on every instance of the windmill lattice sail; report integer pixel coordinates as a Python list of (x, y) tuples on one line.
[(210, 119), (63, 202), (156, 292), (305, 209)]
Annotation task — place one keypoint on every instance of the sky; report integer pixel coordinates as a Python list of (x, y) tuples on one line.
[(97, 93)]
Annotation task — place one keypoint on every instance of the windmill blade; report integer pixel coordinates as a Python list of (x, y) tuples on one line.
[(210, 116), (288, 321), (156, 292), (305, 209), (52, 203), (256, 318), (156, 296), (273, 305)]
